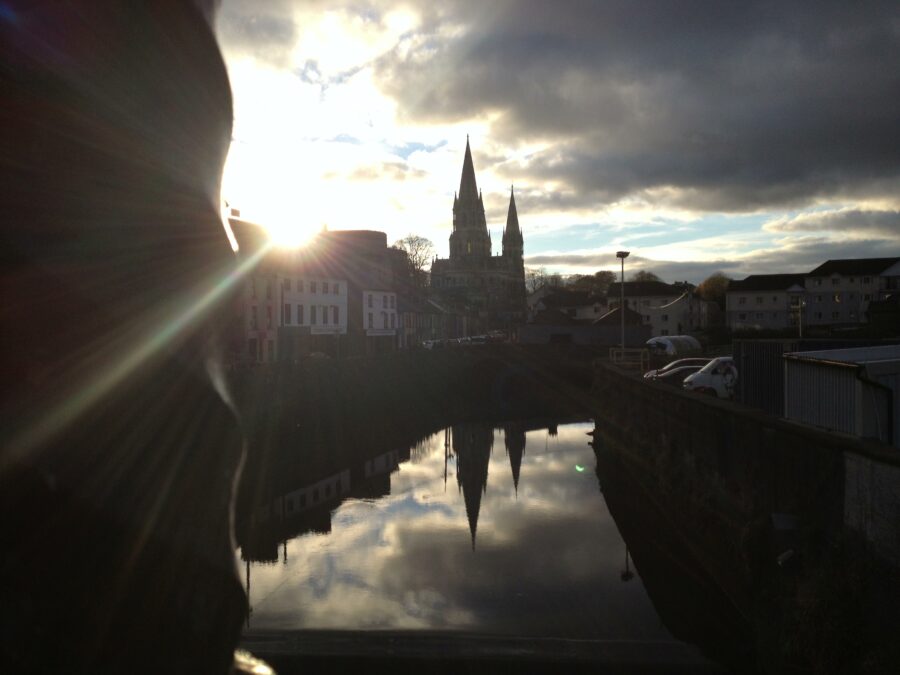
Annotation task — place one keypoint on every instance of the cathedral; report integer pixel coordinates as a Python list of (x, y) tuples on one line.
[(472, 277)]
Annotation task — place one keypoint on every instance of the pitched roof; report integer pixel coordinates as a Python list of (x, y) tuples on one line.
[(633, 288), (853, 266), (767, 282), (565, 298), (612, 318)]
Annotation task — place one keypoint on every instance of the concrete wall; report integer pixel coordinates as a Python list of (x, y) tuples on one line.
[(738, 466), (541, 334)]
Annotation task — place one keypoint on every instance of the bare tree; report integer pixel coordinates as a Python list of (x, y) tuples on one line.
[(418, 249), (538, 277), (419, 252)]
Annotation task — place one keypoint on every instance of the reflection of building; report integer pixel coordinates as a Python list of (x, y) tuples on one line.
[(308, 508), (472, 277), (839, 291), (472, 445)]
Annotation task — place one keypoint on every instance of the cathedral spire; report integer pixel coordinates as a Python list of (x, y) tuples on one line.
[(512, 234), (468, 189)]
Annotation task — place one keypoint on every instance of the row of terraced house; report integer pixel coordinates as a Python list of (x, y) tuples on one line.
[(344, 294), (836, 294)]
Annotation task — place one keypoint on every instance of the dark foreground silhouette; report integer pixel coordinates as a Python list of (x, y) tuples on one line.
[(119, 454)]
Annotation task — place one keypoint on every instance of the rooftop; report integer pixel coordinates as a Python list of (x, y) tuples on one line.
[(853, 266), (767, 282)]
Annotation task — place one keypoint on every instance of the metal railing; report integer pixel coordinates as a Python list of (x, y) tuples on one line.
[(630, 357)]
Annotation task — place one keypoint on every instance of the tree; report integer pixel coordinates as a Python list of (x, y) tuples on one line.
[(597, 283), (419, 252), (712, 289), (538, 277), (644, 275), (418, 249)]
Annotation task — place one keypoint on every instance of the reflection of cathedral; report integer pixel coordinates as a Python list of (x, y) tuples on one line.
[(472, 276), (472, 445), (514, 438)]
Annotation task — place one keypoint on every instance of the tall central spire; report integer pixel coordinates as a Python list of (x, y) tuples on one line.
[(468, 189)]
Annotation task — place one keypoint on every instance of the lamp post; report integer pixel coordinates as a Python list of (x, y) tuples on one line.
[(621, 255)]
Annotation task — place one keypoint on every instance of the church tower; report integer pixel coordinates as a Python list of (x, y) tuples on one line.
[(470, 243), (513, 246)]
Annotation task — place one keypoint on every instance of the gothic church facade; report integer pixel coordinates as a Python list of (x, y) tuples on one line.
[(472, 277)]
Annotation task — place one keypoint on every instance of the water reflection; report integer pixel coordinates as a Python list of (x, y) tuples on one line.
[(524, 545)]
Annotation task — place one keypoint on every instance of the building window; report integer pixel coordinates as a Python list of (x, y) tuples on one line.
[(759, 300), (324, 314), (302, 500), (268, 316), (759, 315), (335, 315), (835, 281), (370, 299), (852, 280), (312, 315), (665, 317), (867, 280), (836, 297), (393, 320), (312, 286), (818, 315), (287, 313), (742, 300), (774, 298), (287, 284), (835, 315), (867, 297), (384, 302), (818, 282), (393, 302), (300, 285), (384, 323), (336, 287), (325, 287), (664, 331), (300, 314), (818, 298), (254, 319), (371, 322), (742, 317)]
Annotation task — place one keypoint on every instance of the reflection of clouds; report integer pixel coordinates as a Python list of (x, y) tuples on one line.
[(546, 562)]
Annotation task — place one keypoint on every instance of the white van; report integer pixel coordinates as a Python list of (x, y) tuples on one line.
[(716, 378)]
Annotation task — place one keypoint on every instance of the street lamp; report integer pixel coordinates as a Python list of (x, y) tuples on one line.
[(621, 255)]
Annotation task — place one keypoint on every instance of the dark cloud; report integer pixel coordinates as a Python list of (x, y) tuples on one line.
[(874, 223), (801, 255), (265, 29), (708, 106)]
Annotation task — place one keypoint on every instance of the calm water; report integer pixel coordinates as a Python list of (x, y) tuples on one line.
[(500, 531)]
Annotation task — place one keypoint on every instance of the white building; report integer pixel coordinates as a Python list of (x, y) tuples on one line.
[(669, 309), (839, 291), (312, 305), (379, 312), (764, 302)]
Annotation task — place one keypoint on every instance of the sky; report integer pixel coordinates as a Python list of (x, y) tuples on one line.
[(749, 138)]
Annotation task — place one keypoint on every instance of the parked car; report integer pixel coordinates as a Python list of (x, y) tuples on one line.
[(699, 362), (716, 378), (675, 376)]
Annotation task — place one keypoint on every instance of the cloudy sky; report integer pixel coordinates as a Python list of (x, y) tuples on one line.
[(701, 136)]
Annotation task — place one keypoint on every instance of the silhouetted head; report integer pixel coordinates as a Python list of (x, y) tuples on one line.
[(119, 456)]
